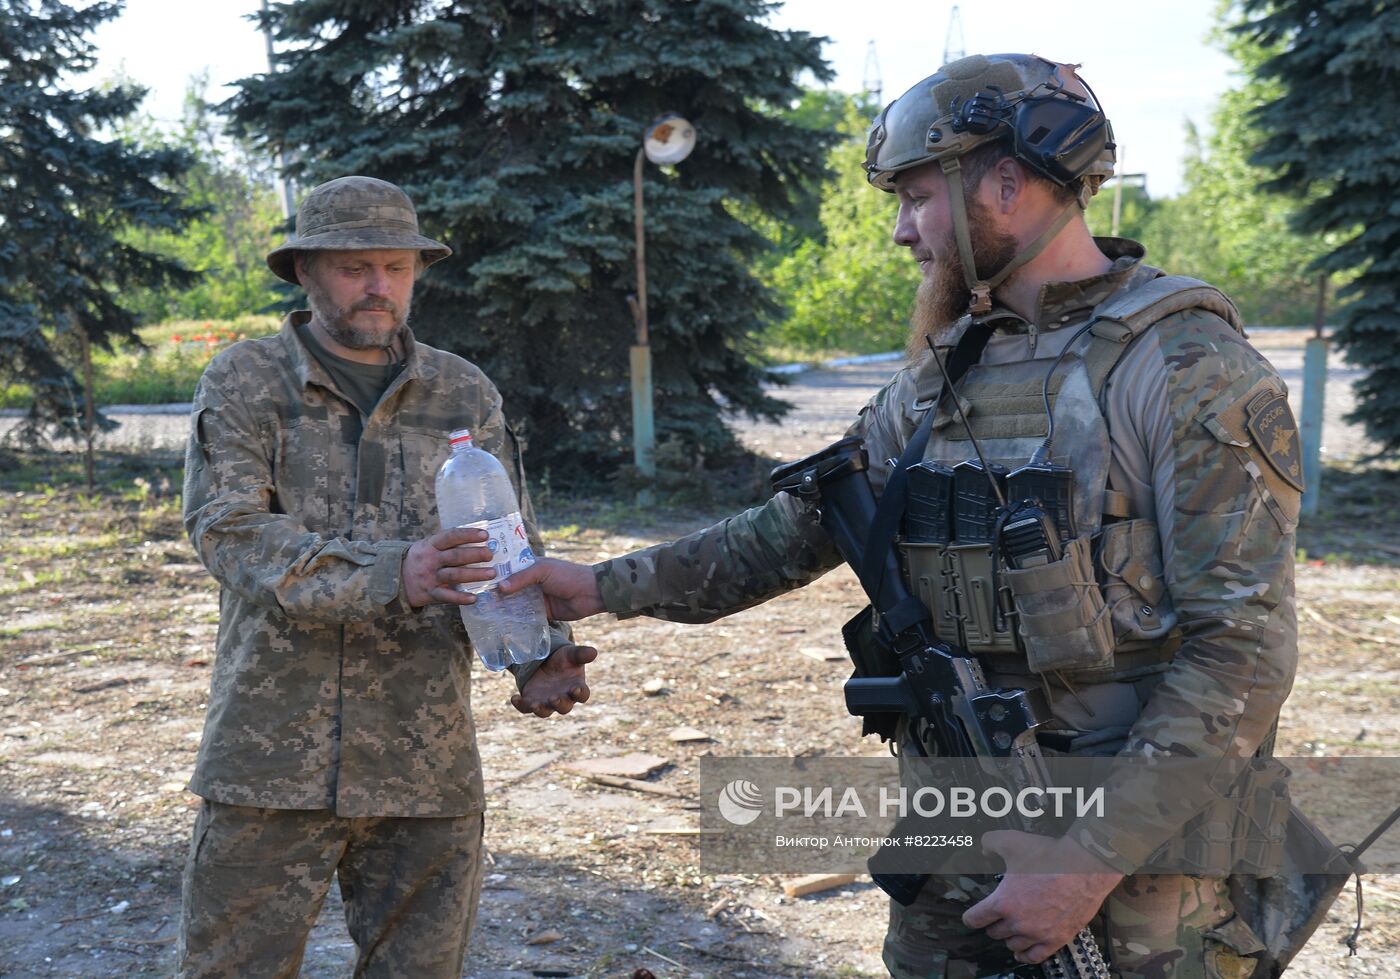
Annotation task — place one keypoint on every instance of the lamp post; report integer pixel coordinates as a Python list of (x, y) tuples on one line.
[(288, 205), (668, 140)]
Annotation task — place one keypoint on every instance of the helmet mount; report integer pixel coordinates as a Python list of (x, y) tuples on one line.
[(1058, 134)]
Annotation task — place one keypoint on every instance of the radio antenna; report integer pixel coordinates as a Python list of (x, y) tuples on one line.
[(1041, 456), (957, 405)]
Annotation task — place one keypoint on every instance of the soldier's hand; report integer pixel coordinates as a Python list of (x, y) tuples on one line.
[(1051, 889), (570, 590), (435, 564), (558, 684)]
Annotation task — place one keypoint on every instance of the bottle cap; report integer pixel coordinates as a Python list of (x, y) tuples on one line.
[(459, 437)]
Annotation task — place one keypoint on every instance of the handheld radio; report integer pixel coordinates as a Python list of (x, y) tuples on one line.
[(1025, 533)]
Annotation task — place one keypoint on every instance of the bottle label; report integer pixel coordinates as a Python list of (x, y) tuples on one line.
[(510, 550)]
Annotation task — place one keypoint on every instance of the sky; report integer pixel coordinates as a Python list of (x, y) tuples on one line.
[(1148, 60)]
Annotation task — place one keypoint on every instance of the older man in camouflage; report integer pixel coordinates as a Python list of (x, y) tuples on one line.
[(1186, 490), (339, 738)]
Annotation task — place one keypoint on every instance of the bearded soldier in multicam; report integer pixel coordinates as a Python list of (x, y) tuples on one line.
[(339, 738), (1187, 487)]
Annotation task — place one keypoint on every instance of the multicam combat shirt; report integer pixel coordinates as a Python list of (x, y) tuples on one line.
[(1181, 452), (329, 691)]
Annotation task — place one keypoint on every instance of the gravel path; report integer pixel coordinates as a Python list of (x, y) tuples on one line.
[(825, 401)]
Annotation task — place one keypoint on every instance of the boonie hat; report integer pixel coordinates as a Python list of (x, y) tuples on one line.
[(352, 214)]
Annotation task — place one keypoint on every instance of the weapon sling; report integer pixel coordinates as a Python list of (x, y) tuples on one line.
[(890, 510)]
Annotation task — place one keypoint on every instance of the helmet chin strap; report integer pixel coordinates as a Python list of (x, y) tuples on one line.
[(981, 289)]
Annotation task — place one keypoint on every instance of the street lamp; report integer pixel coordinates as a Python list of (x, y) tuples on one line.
[(668, 140)]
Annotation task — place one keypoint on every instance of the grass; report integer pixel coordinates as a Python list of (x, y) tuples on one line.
[(776, 353), (60, 547), (165, 369), (35, 581), (41, 475), (592, 518)]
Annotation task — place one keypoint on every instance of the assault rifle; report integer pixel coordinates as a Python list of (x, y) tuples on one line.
[(937, 687)]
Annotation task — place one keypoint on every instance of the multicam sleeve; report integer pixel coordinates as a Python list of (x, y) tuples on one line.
[(738, 563), (271, 558), (1224, 452), (748, 558)]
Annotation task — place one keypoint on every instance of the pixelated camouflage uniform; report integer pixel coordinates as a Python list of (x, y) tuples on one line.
[(410, 888), (1181, 453), (329, 692)]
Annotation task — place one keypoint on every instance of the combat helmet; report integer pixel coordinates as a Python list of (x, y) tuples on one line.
[(1048, 116)]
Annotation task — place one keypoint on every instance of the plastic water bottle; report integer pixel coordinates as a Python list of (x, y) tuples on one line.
[(474, 491)]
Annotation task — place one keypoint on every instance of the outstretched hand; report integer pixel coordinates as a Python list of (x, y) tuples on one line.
[(570, 590), (558, 684), (1037, 911)]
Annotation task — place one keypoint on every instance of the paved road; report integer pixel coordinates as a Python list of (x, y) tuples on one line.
[(824, 403), (825, 400)]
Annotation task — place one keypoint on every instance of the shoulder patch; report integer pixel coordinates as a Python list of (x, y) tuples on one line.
[(1276, 434)]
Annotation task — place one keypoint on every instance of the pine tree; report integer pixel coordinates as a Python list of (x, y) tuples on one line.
[(241, 222), (513, 124), (66, 196), (1332, 137)]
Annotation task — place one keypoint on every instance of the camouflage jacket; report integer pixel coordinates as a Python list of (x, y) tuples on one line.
[(329, 691), (1180, 453)]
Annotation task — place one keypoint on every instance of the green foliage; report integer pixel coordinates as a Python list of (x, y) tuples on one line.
[(67, 199), (825, 111), (847, 288), (241, 222), (1331, 138), (163, 364), (1137, 211), (1222, 227), (514, 125)]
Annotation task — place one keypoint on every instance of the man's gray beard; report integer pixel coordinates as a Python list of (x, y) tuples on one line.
[(336, 319), (943, 294)]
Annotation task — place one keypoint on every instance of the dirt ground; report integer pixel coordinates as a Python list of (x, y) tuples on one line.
[(106, 633), (108, 625)]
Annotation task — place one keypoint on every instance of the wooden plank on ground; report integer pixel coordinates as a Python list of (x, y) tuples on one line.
[(635, 785), (634, 765), (815, 883)]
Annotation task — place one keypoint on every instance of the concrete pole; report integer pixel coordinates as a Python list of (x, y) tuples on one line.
[(643, 423), (1314, 398), (288, 205)]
